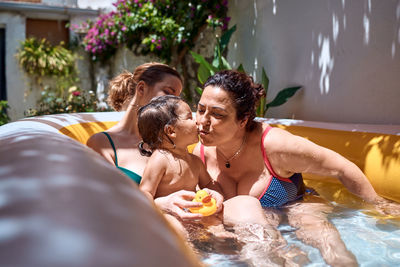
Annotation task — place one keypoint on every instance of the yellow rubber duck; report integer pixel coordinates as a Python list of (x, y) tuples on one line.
[(209, 203)]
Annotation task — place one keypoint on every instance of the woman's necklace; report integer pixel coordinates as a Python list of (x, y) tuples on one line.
[(227, 162)]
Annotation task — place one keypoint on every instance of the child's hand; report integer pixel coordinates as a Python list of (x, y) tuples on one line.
[(219, 199), (177, 203)]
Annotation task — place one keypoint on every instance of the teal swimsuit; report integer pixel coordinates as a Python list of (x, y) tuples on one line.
[(134, 176)]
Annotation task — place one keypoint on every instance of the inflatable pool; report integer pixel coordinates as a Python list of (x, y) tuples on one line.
[(375, 149), (63, 205)]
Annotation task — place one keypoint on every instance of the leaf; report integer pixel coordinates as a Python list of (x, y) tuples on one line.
[(264, 81), (283, 96), (205, 69), (241, 68), (217, 62), (261, 107), (225, 38), (203, 73), (199, 90), (225, 64), (202, 61)]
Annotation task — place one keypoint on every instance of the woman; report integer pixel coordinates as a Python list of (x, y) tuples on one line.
[(252, 159), (128, 92), (257, 165)]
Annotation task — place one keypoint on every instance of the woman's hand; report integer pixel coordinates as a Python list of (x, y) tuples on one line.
[(219, 199), (178, 204), (387, 207)]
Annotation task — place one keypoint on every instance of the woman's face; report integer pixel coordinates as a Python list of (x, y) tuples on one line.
[(185, 126), (170, 85), (216, 117)]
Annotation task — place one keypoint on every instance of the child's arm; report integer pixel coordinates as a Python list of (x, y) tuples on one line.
[(152, 175)]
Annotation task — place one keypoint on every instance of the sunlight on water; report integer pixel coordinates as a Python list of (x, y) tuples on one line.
[(373, 241)]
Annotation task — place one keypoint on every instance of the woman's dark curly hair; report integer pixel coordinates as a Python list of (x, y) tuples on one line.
[(244, 92), (152, 119)]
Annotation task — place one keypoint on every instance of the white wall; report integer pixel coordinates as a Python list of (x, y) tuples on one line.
[(345, 53), (96, 4)]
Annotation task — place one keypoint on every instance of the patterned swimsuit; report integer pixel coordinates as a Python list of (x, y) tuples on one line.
[(280, 191)]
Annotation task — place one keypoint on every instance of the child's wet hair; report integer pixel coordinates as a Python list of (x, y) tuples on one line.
[(152, 119)]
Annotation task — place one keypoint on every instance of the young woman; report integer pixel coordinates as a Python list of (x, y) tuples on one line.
[(128, 92)]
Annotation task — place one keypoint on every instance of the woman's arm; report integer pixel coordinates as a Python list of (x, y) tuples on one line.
[(290, 154)]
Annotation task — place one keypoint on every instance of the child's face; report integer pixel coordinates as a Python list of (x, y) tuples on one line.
[(185, 127)]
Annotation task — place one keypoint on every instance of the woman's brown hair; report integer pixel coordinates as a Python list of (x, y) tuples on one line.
[(123, 87)]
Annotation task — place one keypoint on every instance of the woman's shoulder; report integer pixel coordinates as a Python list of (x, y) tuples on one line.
[(274, 136), (280, 140), (96, 140)]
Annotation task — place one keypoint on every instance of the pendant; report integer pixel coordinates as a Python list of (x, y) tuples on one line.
[(227, 164)]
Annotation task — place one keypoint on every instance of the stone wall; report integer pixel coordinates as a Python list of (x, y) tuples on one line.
[(95, 75)]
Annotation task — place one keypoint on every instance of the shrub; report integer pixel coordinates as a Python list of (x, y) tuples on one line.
[(161, 27), (3, 112), (40, 59), (76, 101)]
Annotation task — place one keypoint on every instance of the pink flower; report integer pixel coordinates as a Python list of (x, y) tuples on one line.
[(76, 93)]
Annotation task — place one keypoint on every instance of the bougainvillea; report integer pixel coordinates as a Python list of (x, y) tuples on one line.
[(162, 27)]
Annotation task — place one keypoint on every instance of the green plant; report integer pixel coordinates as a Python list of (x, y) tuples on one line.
[(75, 101), (3, 112), (162, 27), (39, 59), (219, 63)]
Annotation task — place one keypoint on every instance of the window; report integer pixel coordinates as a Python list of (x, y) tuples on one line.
[(53, 30)]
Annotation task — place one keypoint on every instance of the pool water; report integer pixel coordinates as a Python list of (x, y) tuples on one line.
[(374, 240)]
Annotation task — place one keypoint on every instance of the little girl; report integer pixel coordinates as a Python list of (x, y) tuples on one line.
[(167, 127)]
